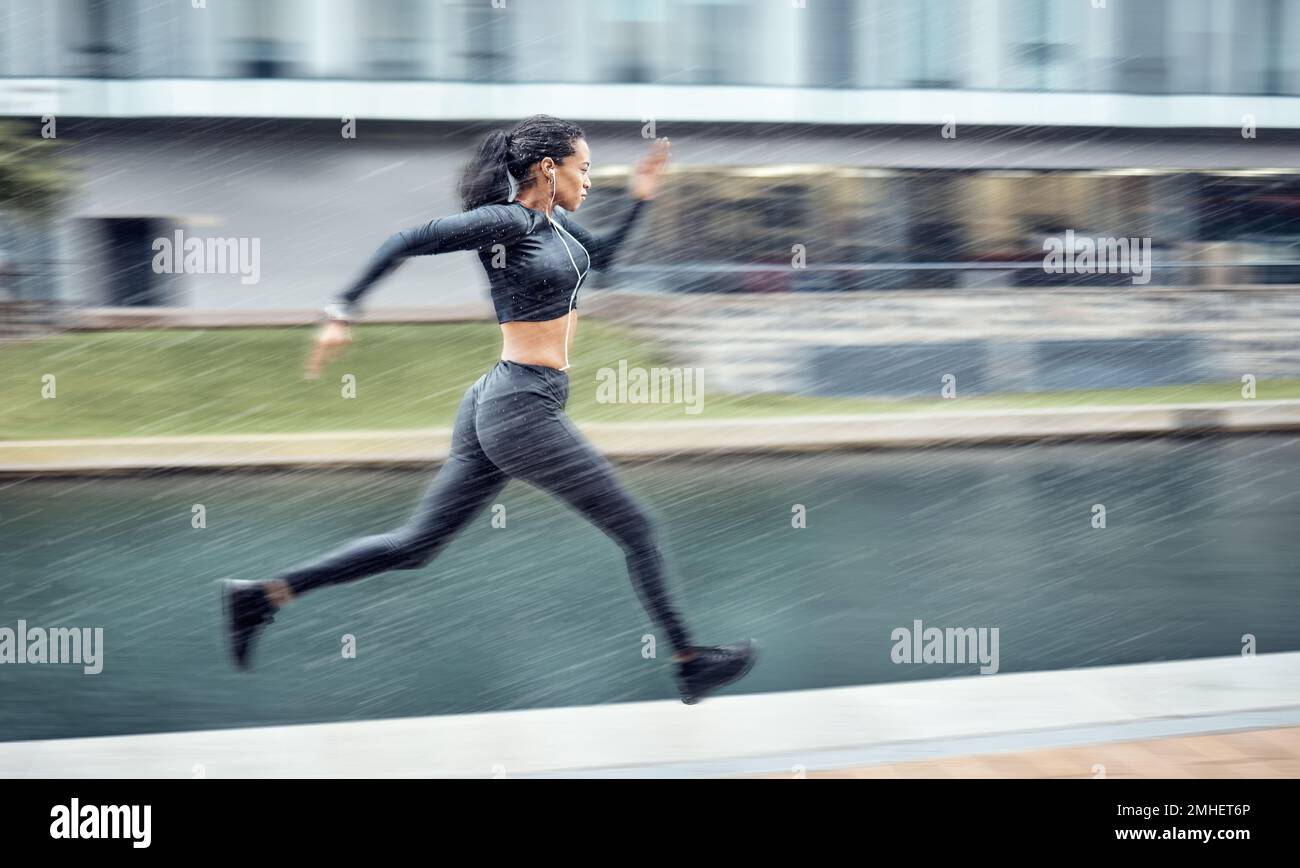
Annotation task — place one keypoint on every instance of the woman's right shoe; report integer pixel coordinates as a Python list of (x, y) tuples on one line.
[(247, 610), (714, 667)]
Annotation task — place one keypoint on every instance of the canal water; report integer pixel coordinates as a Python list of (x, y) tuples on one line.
[(1199, 553)]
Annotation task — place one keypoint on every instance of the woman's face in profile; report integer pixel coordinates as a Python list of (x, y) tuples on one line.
[(571, 177)]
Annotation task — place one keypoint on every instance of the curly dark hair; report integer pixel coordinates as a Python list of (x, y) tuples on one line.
[(513, 153)]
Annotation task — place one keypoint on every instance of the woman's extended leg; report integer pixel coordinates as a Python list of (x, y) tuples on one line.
[(531, 439), (523, 430), (459, 490), (464, 484)]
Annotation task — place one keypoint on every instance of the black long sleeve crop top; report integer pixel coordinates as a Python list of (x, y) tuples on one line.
[(535, 269)]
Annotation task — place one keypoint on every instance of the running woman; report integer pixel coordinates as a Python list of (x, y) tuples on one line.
[(519, 193)]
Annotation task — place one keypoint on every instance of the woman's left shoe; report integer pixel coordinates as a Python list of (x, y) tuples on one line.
[(247, 611), (714, 667)]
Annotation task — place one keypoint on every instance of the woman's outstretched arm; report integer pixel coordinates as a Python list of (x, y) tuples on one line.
[(468, 230)]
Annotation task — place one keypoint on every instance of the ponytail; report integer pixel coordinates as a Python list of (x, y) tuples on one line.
[(486, 177)]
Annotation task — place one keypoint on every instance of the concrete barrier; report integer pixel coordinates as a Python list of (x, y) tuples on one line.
[(648, 440)]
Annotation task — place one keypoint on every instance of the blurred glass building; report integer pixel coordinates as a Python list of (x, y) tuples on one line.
[(902, 143), (1108, 46)]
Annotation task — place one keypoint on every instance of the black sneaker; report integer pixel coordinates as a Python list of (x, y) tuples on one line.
[(247, 611), (714, 667)]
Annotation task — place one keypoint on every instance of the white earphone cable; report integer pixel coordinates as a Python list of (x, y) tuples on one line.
[(568, 317)]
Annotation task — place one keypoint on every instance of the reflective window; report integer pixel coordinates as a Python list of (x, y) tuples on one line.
[(392, 34), (1127, 46)]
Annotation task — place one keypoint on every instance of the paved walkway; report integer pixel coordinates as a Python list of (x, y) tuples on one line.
[(1261, 753), (1082, 712)]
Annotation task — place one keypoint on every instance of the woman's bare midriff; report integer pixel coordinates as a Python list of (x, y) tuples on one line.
[(538, 343)]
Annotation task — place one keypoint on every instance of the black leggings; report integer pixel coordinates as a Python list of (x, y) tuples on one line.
[(511, 424)]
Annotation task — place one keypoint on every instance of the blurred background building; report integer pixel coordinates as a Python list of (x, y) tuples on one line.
[(928, 144)]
